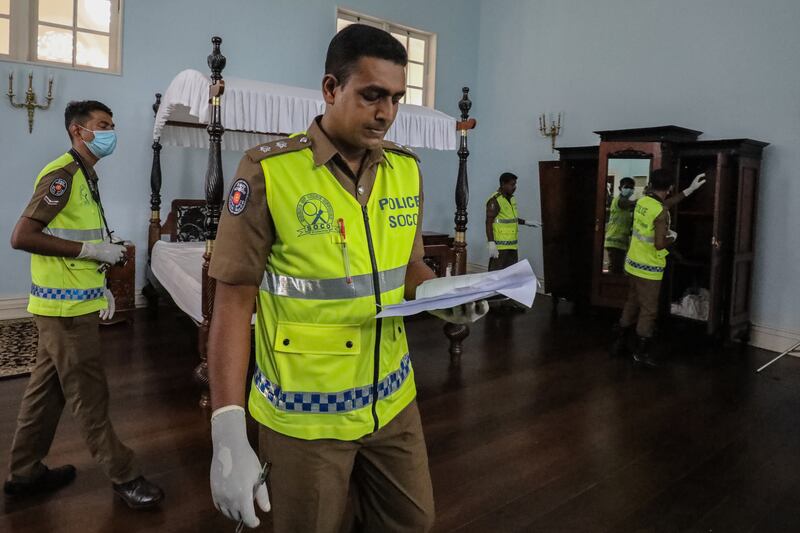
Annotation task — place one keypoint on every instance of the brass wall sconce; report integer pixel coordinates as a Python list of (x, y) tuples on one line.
[(31, 103), (552, 131)]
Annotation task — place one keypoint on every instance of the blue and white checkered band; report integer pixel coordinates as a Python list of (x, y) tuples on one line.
[(237, 199), (331, 402), (640, 266), (58, 187), (66, 294), (505, 243)]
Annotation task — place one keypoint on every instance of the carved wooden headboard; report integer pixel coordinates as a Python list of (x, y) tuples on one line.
[(186, 221)]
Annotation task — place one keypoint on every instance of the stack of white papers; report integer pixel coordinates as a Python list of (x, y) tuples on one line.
[(517, 282)]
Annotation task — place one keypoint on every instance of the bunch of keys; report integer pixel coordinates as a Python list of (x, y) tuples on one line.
[(103, 268)]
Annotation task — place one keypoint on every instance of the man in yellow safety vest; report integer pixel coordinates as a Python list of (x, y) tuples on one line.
[(64, 230), (645, 263), (618, 227), (502, 224), (321, 230)]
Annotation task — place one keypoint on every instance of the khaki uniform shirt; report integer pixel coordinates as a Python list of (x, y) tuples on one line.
[(44, 204), (244, 240)]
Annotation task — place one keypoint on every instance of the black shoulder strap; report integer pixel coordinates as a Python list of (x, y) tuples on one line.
[(94, 189)]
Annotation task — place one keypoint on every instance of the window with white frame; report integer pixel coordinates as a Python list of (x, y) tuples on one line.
[(82, 34), (421, 48)]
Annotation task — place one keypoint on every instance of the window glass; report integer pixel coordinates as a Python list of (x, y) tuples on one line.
[(94, 15), (56, 11), (92, 50), (54, 44), (5, 36)]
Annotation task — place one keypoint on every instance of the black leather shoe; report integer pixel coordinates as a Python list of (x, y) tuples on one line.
[(139, 493), (641, 354), (51, 480), (619, 348)]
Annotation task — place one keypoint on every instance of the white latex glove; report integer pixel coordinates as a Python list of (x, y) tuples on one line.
[(697, 182), (235, 468), (494, 253), (108, 312), (463, 314), (102, 252), (672, 235)]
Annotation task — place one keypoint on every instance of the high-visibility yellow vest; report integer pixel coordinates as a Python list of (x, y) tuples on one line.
[(618, 228), (65, 286), (505, 228), (325, 366), (643, 260)]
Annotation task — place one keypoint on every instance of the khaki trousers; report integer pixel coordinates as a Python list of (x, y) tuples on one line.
[(505, 258), (616, 260), (385, 473), (641, 308), (68, 370)]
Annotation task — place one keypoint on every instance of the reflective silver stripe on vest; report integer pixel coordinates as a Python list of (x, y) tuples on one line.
[(76, 234), (331, 402), (643, 238), (333, 288), (505, 221)]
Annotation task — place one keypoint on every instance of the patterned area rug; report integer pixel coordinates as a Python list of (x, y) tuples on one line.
[(17, 347)]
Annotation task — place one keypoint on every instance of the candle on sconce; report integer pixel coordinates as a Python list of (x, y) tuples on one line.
[(30, 80), (50, 87), (10, 82)]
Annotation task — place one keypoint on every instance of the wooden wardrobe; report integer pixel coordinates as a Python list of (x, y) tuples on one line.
[(709, 268)]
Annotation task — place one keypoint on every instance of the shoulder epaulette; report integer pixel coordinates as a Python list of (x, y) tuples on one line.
[(399, 149), (71, 169), (280, 146)]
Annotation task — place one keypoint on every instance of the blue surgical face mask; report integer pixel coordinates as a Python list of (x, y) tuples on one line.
[(626, 192), (103, 143)]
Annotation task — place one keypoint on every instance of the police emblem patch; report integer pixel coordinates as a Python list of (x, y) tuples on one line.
[(315, 214), (58, 187), (237, 199)]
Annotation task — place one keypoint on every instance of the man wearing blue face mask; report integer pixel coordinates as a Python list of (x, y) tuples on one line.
[(65, 231), (618, 227)]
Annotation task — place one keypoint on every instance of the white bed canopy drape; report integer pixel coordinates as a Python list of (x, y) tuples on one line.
[(256, 111)]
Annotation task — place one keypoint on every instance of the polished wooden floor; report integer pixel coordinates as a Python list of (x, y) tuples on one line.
[(536, 430)]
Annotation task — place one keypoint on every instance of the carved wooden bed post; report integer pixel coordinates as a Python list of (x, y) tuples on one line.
[(154, 233), (457, 332), (214, 184), (154, 230)]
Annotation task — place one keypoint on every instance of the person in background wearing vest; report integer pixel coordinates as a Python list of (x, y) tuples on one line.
[(320, 230), (63, 230), (645, 263), (502, 224), (618, 227)]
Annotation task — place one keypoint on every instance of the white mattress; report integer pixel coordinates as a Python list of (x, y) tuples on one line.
[(178, 266), (258, 108)]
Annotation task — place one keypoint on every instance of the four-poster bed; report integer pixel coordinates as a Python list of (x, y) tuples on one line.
[(256, 112)]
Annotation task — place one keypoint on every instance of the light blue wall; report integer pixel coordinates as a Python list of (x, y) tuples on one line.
[(729, 68), (726, 67), (278, 40)]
